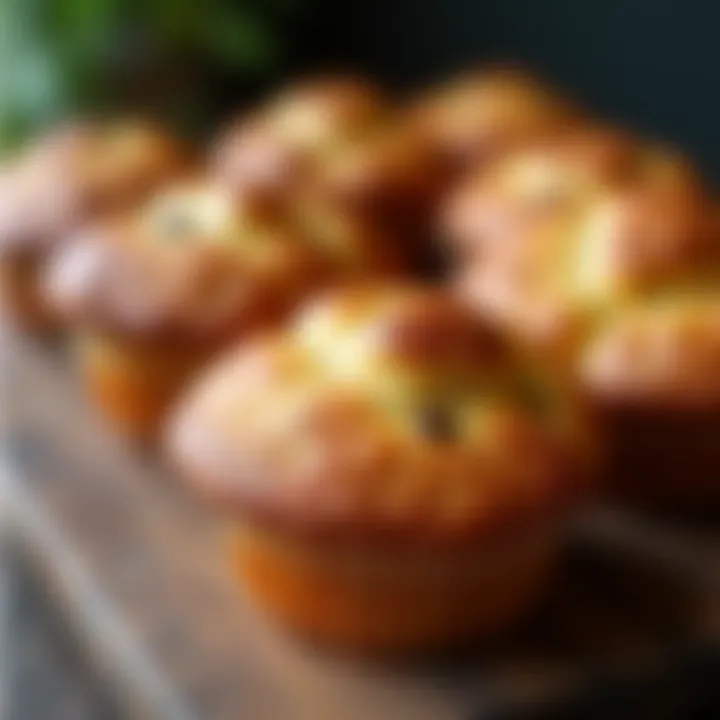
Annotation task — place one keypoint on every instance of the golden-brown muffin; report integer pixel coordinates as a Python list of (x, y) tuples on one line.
[(70, 177), (479, 116), (331, 147), (154, 292), (271, 152), (396, 478), (536, 188), (577, 285), (552, 282)]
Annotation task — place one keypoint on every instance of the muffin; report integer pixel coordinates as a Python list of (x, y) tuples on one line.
[(394, 478), (552, 281), (478, 117), (631, 274), (542, 184), (271, 152), (70, 177), (331, 148), (154, 292)]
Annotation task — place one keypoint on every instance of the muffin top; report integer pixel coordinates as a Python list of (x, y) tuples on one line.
[(618, 242), (486, 113), (379, 411), (541, 186), (197, 262), (80, 172), (663, 353), (274, 148)]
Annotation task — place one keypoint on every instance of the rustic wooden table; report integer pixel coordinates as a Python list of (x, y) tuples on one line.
[(137, 571), (47, 674)]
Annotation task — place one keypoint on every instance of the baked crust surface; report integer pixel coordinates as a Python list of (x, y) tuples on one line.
[(379, 412)]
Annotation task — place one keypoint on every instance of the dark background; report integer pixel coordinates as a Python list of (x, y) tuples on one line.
[(651, 64)]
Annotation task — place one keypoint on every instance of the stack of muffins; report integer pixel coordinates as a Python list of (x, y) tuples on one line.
[(397, 448)]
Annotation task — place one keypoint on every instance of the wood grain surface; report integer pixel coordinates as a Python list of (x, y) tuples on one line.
[(139, 572)]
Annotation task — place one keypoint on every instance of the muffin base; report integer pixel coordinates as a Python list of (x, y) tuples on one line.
[(22, 301), (380, 598), (134, 381)]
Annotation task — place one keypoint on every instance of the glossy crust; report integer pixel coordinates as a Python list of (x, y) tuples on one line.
[(381, 413), (553, 281), (538, 188), (484, 114)]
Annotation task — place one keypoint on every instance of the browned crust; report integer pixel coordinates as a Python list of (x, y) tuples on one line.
[(342, 455), (557, 279), (536, 186)]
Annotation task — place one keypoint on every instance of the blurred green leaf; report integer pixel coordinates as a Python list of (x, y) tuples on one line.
[(57, 55), (240, 40)]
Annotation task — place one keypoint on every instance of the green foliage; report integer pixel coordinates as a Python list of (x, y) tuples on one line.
[(58, 56)]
